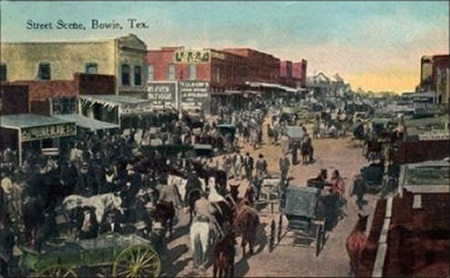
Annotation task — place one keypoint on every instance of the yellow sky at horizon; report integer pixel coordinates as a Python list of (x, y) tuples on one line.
[(394, 80)]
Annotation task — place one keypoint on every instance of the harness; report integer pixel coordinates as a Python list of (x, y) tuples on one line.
[(202, 218)]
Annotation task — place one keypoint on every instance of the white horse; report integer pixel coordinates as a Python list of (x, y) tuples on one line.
[(213, 195), (101, 203), (199, 234)]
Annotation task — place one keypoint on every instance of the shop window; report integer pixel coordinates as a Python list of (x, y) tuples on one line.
[(63, 105), (137, 75), (91, 68), (125, 75), (44, 71), (171, 72), (150, 72), (3, 73), (192, 74)]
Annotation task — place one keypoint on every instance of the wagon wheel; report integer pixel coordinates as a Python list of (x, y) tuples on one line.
[(320, 237), (57, 271), (137, 261)]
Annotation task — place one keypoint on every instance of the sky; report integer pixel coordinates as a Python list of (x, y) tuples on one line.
[(373, 45)]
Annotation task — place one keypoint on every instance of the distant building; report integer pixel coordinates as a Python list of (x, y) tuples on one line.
[(435, 76), (122, 57), (299, 73)]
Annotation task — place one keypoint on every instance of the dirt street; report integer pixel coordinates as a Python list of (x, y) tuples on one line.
[(289, 258)]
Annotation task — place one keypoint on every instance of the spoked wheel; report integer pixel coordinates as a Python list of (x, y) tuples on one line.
[(137, 261), (320, 238), (57, 271)]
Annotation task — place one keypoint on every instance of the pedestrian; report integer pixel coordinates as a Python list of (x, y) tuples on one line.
[(237, 164), (284, 169), (248, 166), (261, 168), (294, 151)]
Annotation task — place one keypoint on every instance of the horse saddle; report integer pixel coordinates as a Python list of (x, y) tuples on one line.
[(202, 218)]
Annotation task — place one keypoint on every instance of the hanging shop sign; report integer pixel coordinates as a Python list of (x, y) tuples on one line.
[(188, 56), (46, 132), (135, 109), (162, 94)]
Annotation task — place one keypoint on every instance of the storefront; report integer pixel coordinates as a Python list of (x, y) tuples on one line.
[(29, 132), (126, 112)]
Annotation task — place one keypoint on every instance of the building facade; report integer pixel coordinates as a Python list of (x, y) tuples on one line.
[(122, 57), (299, 73), (224, 71), (435, 76)]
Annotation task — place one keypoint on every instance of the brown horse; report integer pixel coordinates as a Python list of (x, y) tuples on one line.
[(246, 222), (164, 213), (356, 242), (224, 252)]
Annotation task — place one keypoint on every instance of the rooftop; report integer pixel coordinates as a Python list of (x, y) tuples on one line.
[(29, 120)]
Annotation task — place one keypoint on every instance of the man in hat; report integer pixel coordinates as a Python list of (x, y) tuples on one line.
[(261, 167), (284, 169), (193, 183), (85, 184), (110, 223), (237, 164), (248, 166)]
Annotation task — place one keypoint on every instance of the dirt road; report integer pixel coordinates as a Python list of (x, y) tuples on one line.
[(288, 258)]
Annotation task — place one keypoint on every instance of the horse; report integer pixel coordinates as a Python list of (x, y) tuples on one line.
[(101, 203), (224, 253), (356, 242), (193, 196), (246, 222), (164, 213), (200, 236)]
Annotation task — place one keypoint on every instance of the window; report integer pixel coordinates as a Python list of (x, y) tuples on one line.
[(171, 72), (192, 74), (64, 105), (150, 72), (137, 75), (91, 68), (44, 72), (3, 73), (126, 75)]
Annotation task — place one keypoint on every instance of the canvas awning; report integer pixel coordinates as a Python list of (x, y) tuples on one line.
[(87, 123), (127, 105), (271, 85), (29, 120)]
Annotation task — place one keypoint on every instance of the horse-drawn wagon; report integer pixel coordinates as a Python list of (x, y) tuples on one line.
[(305, 214), (295, 134), (122, 255), (269, 193)]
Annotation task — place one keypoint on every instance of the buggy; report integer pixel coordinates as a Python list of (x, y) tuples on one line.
[(295, 134), (127, 255), (269, 193), (305, 214)]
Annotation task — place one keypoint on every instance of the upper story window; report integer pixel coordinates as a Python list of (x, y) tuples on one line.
[(150, 73), (3, 73), (192, 74), (125, 75), (91, 68), (171, 72), (137, 75), (44, 71)]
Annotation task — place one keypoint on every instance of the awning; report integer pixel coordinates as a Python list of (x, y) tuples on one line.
[(271, 85), (29, 120), (87, 123), (127, 105)]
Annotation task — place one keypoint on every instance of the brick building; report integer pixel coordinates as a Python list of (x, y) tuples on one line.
[(299, 73), (435, 76), (224, 71), (286, 71), (262, 67), (53, 96)]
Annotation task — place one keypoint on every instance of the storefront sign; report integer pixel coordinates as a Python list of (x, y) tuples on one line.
[(184, 56), (45, 132), (162, 94), (217, 55), (135, 109), (194, 94)]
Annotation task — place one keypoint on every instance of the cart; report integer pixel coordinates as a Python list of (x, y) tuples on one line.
[(295, 134), (126, 256), (269, 193), (305, 216)]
